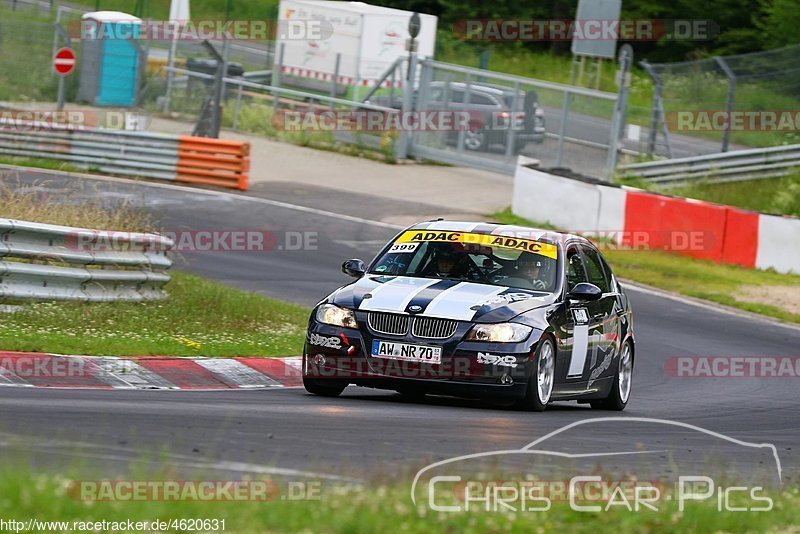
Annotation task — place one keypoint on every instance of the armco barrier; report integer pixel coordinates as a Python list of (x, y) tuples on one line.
[(733, 166), (633, 217), (182, 158), (63, 254)]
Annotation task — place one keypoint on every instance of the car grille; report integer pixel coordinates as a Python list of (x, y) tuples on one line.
[(388, 323), (434, 328), (425, 327)]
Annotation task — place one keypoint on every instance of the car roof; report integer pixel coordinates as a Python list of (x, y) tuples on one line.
[(494, 228), (480, 87)]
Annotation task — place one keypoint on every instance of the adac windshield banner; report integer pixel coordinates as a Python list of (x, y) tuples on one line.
[(488, 240)]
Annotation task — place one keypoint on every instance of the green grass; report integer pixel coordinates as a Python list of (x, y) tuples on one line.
[(686, 276), (385, 508), (780, 196), (200, 318), (41, 163)]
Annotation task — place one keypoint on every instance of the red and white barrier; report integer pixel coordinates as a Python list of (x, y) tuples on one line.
[(702, 230), (37, 369)]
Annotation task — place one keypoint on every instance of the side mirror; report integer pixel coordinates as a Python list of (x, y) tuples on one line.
[(354, 268), (585, 291)]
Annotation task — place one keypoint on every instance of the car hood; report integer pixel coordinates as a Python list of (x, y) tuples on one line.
[(450, 299)]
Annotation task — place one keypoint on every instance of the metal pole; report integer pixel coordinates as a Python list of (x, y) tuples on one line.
[(171, 65), (238, 105), (512, 127), (335, 84), (60, 93), (654, 116), (726, 135), (467, 96), (408, 103), (620, 109), (276, 74), (562, 130)]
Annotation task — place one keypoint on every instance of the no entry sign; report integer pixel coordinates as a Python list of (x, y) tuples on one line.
[(64, 61)]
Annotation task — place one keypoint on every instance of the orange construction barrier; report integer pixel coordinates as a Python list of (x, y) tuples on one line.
[(202, 160)]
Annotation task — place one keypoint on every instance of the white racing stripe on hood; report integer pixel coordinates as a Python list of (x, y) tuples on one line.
[(394, 296), (457, 301)]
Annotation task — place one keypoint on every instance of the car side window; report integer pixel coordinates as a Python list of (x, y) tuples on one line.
[(482, 100), (575, 271), (594, 269), (435, 94), (456, 95)]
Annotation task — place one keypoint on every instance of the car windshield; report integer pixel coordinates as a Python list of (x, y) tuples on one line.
[(482, 258)]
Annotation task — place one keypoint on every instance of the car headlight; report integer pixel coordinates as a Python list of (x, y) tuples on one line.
[(336, 316), (499, 333)]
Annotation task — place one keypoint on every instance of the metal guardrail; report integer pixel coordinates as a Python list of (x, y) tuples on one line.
[(53, 263), (733, 166), (131, 153)]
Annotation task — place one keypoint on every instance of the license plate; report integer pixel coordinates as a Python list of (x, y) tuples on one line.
[(404, 351)]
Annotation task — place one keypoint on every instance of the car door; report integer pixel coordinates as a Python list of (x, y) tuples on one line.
[(606, 333), (579, 323)]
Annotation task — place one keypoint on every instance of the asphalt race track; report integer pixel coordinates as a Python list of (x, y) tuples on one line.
[(368, 433)]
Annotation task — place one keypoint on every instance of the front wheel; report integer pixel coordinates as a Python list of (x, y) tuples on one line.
[(540, 385), (621, 388), (324, 389)]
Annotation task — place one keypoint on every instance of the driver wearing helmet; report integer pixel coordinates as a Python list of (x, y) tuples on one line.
[(530, 268), (447, 262)]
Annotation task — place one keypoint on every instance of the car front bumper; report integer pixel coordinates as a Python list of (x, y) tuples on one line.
[(343, 355)]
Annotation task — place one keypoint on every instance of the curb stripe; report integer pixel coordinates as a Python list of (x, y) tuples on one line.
[(184, 373), (37, 369), (128, 374), (286, 374), (236, 374), (53, 370)]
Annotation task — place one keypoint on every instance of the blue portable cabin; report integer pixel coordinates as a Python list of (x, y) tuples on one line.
[(111, 60)]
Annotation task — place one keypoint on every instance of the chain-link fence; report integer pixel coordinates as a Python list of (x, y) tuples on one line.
[(689, 95), (561, 125)]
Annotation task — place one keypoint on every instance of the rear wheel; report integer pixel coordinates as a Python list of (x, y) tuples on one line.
[(540, 385), (324, 389), (475, 139), (621, 389)]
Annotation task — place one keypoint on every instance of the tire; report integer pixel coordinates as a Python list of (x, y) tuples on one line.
[(621, 388), (475, 140), (332, 389), (540, 384)]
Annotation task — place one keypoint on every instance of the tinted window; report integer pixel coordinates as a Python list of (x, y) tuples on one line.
[(575, 271), (466, 258), (483, 100), (594, 269)]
